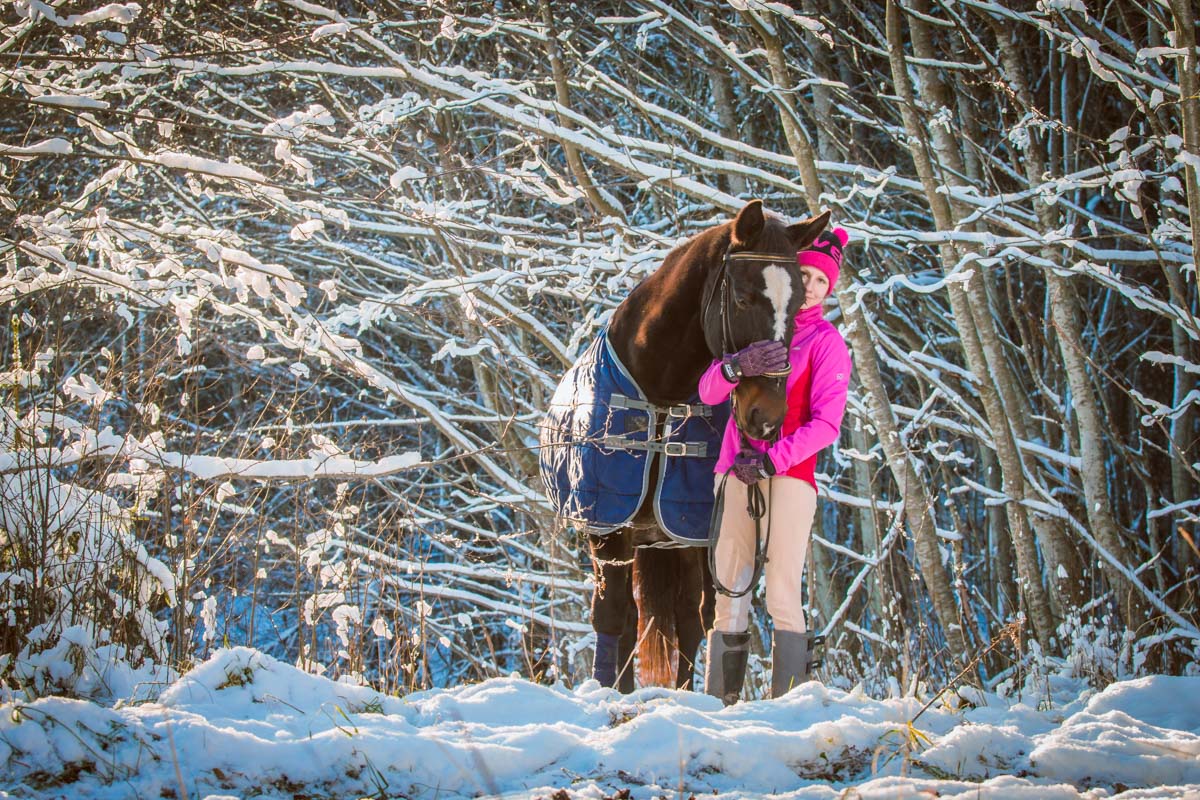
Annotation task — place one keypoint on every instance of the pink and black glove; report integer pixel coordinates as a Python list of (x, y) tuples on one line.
[(757, 358), (751, 466)]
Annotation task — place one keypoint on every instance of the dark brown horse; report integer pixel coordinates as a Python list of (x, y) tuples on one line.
[(718, 291)]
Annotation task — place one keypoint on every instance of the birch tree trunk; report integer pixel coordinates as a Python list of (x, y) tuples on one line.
[(1065, 312), (975, 327), (600, 201), (827, 136), (797, 139), (918, 504), (881, 590), (1009, 416)]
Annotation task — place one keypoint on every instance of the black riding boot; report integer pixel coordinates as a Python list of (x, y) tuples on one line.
[(726, 669), (793, 660)]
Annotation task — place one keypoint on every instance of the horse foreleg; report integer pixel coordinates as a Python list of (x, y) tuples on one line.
[(708, 593), (690, 633), (612, 573), (626, 679)]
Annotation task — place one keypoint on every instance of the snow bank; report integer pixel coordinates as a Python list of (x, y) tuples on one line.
[(243, 722), (1133, 731)]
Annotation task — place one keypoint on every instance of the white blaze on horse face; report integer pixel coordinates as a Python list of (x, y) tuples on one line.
[(778, 288)]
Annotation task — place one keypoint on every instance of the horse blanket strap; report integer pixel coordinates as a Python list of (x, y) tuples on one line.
[(601, 437), (681, 410), (689, 449)]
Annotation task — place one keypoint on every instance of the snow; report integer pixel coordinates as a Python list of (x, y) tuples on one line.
[(332, 29), (69, 101), (207, 166), (1140, 728), (242, 723), (48, 147), (120, 13)]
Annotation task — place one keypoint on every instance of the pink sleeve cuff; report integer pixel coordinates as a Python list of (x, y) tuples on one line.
[(714, 387)]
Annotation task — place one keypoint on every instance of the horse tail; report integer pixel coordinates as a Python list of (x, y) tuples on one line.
[(655, 582)]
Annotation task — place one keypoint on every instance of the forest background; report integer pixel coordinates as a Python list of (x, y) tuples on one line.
[(287, 286)]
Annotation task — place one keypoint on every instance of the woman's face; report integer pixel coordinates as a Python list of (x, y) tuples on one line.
[(816, 286)]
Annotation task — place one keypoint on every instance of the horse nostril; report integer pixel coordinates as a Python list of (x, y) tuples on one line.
[(760, 426)]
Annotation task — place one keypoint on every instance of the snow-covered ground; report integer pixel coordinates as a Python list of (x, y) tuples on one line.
[(243, 724)]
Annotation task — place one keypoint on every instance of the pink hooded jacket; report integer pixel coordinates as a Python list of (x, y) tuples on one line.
[(816, 397)]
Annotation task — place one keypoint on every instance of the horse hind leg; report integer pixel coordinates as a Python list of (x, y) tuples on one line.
[(612, 567), (654, 586), (627, 646)]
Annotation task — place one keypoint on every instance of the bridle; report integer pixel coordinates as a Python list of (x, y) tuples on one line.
[(721, 286), (756, 503)]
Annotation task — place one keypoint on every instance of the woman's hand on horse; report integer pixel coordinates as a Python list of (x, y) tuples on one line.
[(758, 358), (751, 466)]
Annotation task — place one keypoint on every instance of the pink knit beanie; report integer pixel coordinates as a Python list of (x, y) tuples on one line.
[(826, 254)]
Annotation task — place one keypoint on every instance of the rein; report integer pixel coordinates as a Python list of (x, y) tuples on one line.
[(756, 501), (756, 507)]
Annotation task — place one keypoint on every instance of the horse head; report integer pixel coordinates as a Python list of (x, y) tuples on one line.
[(755, 294)]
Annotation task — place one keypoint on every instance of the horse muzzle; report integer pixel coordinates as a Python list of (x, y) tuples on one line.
[(759, 407)]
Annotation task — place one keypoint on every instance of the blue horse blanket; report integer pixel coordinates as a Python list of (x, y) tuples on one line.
[(599, 440)]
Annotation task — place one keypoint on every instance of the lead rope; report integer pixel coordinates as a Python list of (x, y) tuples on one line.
[(757, 508)]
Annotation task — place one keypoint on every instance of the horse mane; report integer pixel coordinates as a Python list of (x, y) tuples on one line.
[(661, 315)]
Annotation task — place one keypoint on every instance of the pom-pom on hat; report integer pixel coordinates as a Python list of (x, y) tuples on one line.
[(826, 254)]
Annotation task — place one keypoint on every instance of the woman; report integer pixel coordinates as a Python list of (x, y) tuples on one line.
[(816, 401)]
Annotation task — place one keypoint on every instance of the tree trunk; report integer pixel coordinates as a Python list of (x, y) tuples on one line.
[(721, 86), (975, 323), (796, 138), (880, 590), (1183, 427), (600, 201), (821, 92), (1068, 326), (918, 504)]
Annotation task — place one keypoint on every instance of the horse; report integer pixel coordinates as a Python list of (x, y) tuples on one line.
[(725, 287)]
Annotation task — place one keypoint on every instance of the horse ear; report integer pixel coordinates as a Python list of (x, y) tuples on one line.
[(806, 232), (748, 224)]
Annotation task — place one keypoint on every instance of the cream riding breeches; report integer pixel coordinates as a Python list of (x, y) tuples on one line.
[(792, 505)]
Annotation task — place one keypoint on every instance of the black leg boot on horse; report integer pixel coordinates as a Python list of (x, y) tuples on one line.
[(793, 660)]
